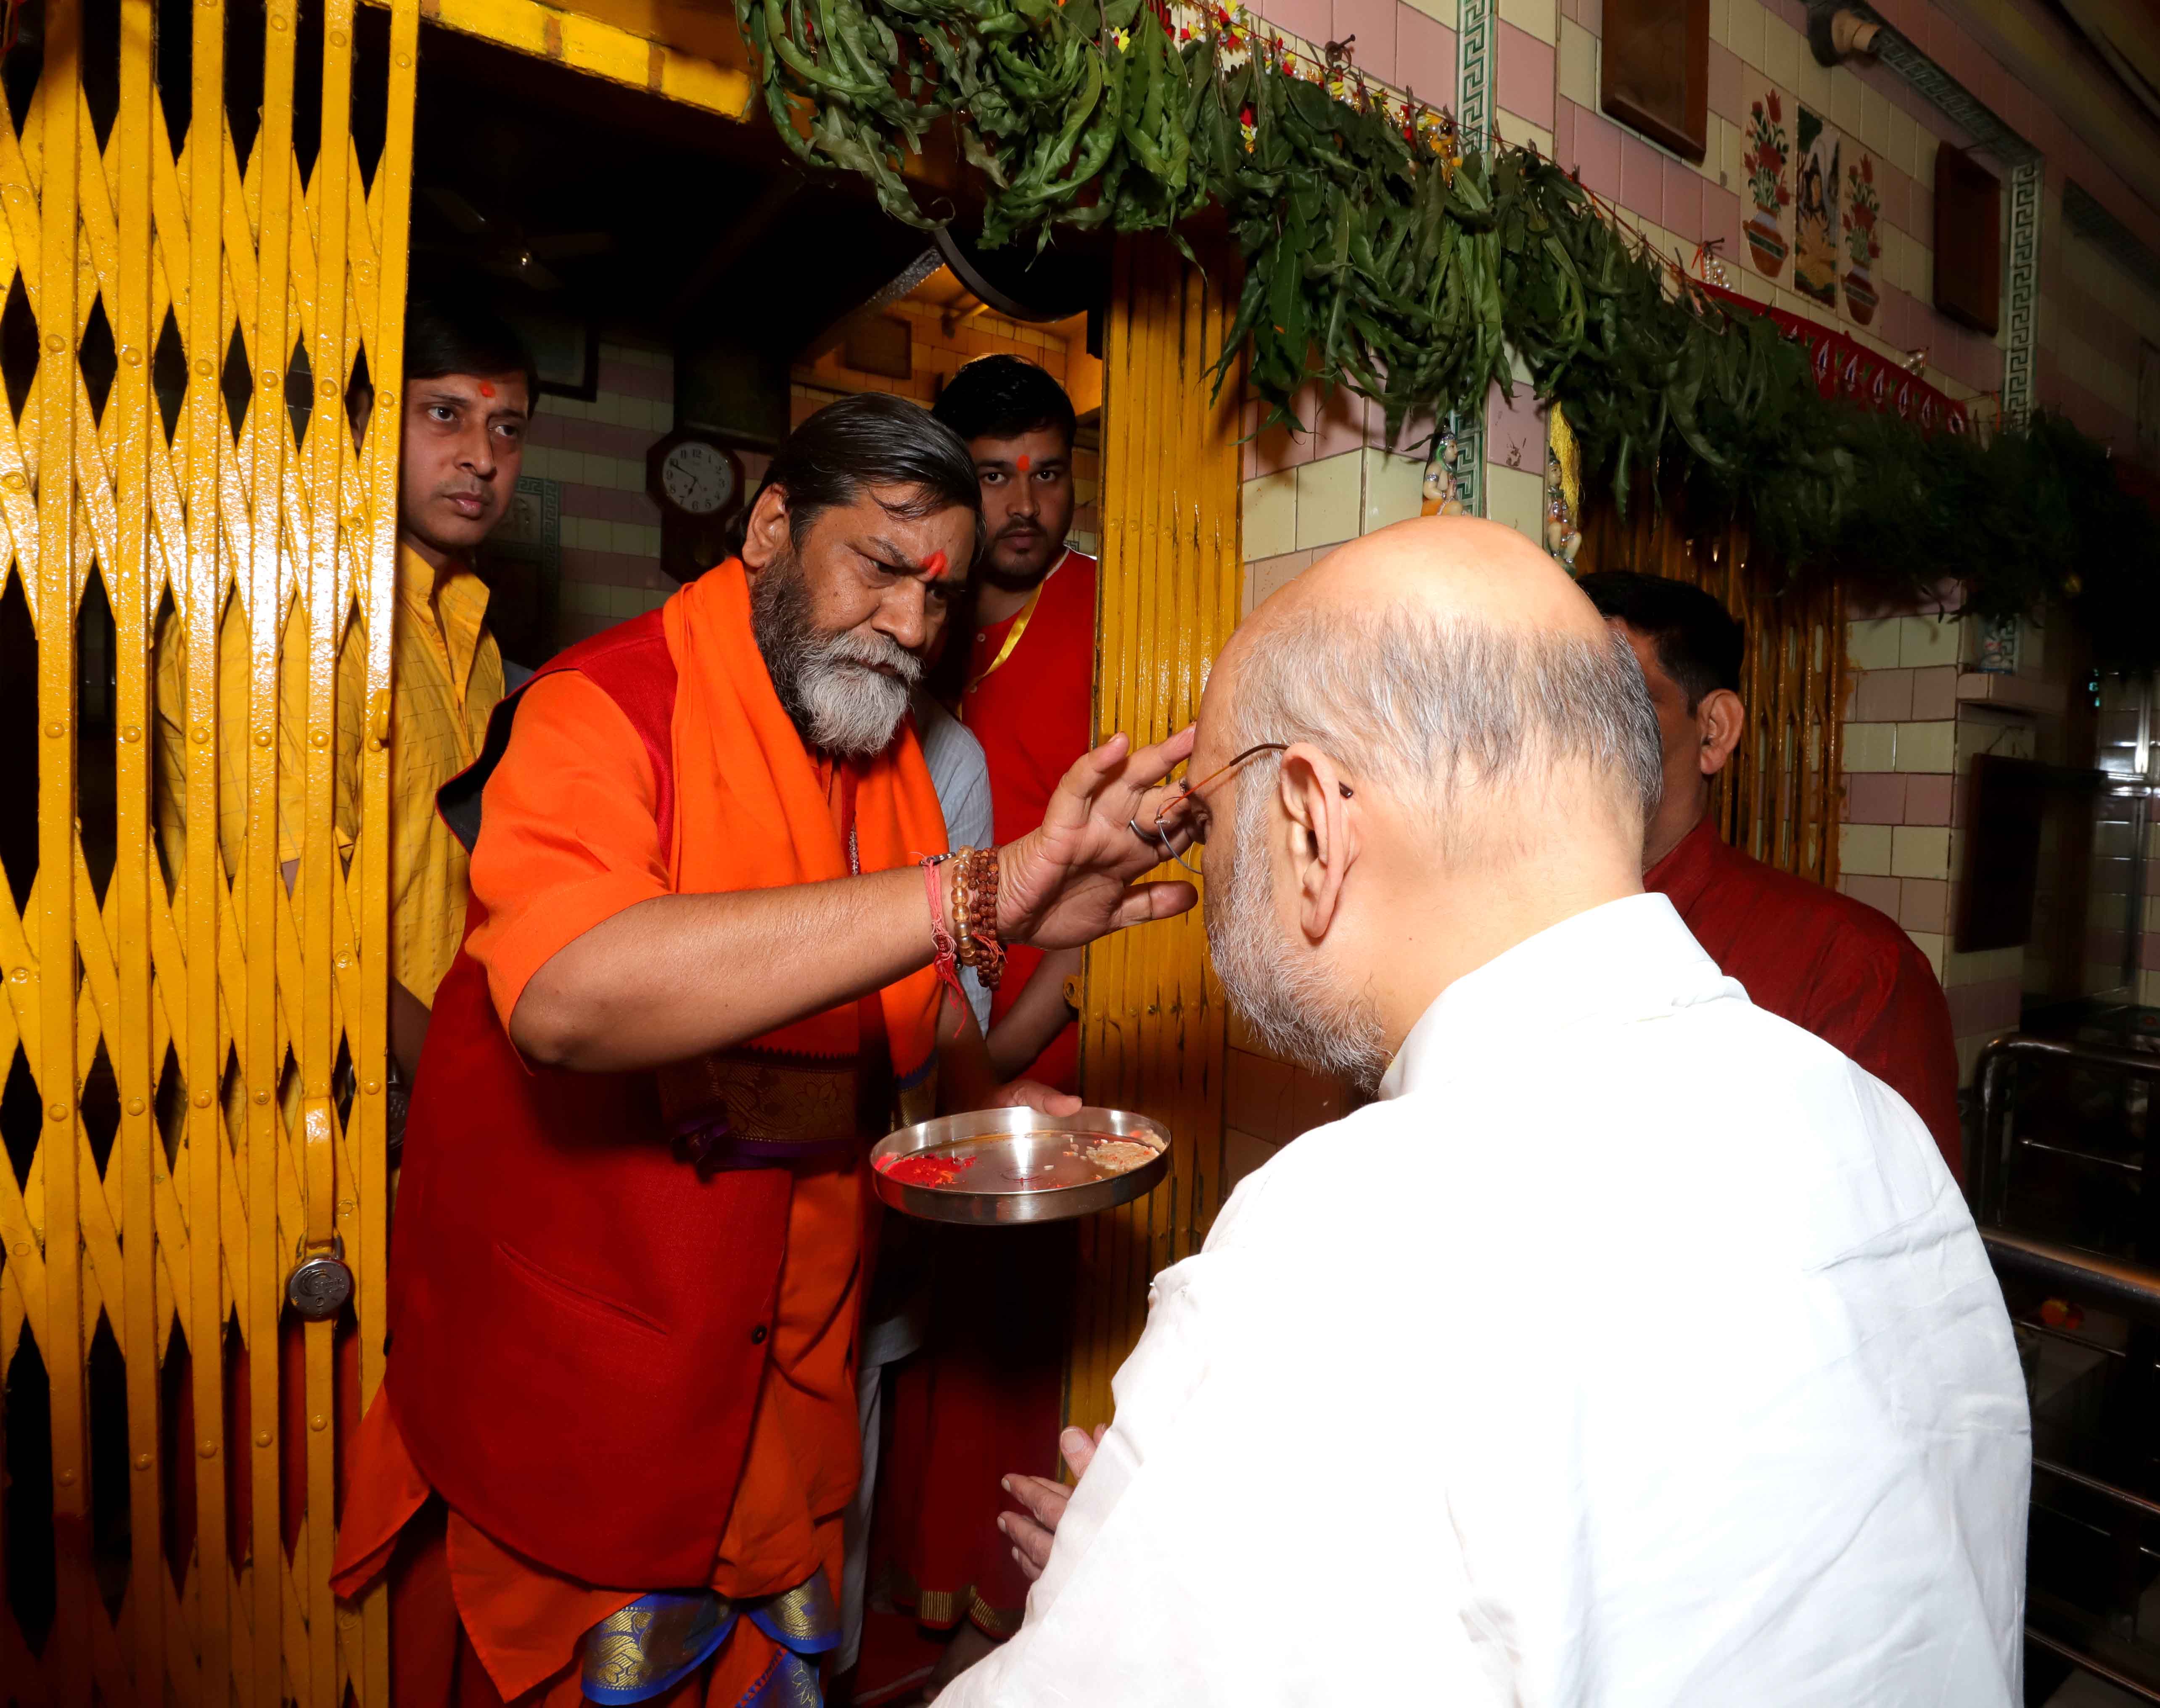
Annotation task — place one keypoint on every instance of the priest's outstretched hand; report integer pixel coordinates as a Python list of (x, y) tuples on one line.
[(1071, 879)]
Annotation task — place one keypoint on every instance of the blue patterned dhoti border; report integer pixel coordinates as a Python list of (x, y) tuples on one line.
[(658, 1640)]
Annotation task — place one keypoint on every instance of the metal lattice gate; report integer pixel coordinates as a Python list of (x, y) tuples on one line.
[(199, 285)]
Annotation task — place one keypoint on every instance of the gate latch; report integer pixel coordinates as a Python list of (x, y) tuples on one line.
[(321, 1285)]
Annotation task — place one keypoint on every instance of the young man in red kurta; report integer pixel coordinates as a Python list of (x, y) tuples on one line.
[(986, 1393), (1835, 966)]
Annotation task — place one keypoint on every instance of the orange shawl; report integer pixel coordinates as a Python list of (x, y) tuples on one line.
[(751, 811)]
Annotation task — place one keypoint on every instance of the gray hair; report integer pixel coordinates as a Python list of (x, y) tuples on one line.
[(1428, 704)]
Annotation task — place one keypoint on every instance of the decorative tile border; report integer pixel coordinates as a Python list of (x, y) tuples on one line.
[(1949, 96), (1467, 428), (2019, 347), (1477, 47), (1991, 134)]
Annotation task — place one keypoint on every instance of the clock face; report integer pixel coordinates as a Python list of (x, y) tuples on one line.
[(698, 479)]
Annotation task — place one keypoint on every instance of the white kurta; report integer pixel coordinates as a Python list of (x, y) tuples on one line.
[(1636, 1349)]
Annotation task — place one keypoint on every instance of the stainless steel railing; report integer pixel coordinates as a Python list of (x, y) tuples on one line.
[(1994, 1142), (2118, 1518), (2105, 1282)]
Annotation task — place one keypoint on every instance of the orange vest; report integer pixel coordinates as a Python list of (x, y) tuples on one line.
[(577, 1319)]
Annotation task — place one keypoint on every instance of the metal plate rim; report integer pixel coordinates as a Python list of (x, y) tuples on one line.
[(1052, 1204)]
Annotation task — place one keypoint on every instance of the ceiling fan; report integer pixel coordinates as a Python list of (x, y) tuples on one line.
[(500, 244)]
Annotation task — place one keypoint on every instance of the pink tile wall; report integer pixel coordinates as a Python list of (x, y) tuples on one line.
[(1597, 151), (1885, 895), (1525, 76), (1312, 20), (2093, 415), (1724, 82), (1924, 904), (1333, 424), (1425, 56), (1642, 177), (1682, 201), (1990, 1006), (1372, 21), (1721, 222), (1514, 430)]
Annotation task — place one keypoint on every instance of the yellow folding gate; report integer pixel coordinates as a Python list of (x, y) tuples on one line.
[(211, 295)]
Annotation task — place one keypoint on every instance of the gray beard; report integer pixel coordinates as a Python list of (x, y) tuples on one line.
[(1295, 1010), (830, 686)]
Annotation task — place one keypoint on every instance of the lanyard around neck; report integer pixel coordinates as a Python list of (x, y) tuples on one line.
[(1012, 635)]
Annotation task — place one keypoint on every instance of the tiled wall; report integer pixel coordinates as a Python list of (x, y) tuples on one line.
[(1756, 48), (1305, 494), (1919, 712), (595, 452), (2095, 315)]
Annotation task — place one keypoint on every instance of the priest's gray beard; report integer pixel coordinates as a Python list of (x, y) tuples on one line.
[(845, 694), (1288, 999)]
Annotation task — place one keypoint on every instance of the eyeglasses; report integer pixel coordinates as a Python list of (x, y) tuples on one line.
[(1159, 838)]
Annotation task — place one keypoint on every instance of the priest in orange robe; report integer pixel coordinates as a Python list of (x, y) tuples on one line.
[(708, 956)]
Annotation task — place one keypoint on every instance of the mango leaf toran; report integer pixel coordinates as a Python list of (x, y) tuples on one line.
[(1376, 259)]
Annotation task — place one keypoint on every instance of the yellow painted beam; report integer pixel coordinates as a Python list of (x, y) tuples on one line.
[(268, 334), (690, 54), (330, 453), (367, 1238), (58, 115), (138, 1156), (1152, 1019), (200, 595)]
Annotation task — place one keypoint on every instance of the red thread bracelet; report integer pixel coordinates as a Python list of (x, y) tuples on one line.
[(947, 970)]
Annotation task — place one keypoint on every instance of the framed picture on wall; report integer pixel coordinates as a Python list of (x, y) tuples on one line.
[(1654, 71), (1968, 240), (566, 351)]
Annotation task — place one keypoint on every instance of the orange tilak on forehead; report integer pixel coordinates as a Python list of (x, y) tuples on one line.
[(1025, 460), (485, 389), (933, 567)]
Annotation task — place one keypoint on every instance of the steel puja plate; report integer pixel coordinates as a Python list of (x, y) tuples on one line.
[(993, 1165)]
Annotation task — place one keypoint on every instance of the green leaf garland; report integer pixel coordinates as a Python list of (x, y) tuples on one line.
[(1379, 260)]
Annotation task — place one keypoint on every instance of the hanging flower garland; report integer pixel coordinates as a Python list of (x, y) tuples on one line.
[(1384, 254)]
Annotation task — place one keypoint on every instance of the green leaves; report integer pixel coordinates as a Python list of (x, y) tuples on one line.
[(1376, 261)]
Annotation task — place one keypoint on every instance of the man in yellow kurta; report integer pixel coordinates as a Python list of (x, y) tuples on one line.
[(469, 392)]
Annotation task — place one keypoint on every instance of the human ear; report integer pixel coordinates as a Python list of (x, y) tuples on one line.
[(766, 536), (1721, 717), (1322, 829)]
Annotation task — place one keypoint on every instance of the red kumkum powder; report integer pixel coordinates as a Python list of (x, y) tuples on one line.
[(921, 1169)]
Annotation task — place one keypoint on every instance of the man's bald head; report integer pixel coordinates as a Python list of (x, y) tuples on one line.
[(1459, 755), (1453, 662)]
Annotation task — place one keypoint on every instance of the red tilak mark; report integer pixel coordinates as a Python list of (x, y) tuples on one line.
[(1024, 461), (933, 566), (485, 389)]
